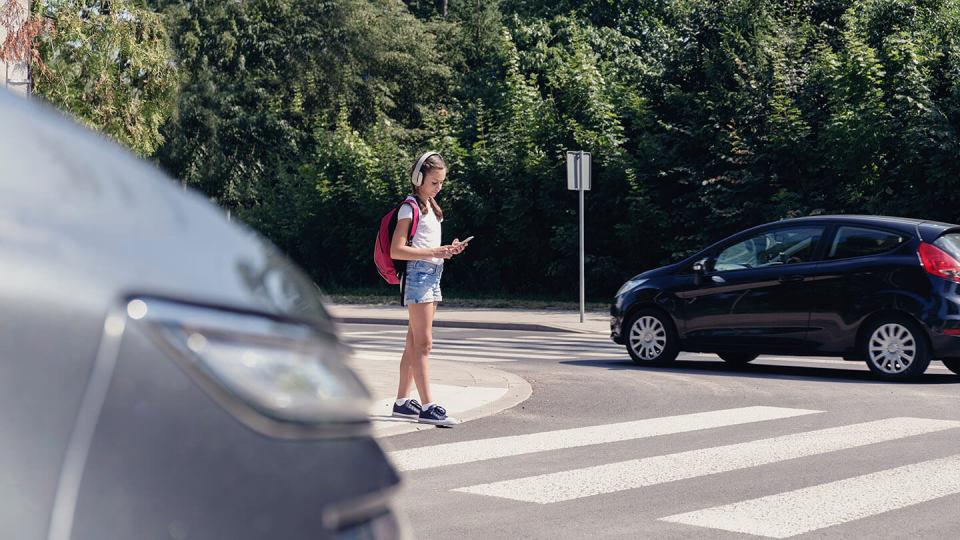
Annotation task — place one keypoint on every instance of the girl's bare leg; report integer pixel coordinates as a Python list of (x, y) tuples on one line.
[(406, 367), (421, 325)]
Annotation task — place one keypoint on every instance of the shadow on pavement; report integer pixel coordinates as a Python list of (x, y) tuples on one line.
[(387, 418), (760, 371)]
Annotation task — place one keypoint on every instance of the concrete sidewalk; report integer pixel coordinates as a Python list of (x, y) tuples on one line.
[(467, 390)]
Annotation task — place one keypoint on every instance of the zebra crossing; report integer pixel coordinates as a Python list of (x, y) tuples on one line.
[(542, 346), (775, 514), (470, 451), (386, 345)]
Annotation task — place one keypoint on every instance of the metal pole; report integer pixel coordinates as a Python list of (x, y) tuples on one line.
[(579, 175)]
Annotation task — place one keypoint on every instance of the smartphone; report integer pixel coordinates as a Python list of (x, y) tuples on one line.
[(469, 238)]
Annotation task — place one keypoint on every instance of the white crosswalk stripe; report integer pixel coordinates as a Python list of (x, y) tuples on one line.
[(816, 507), (484, 449), (550, 339), (445, 351), (374, 332), (614, 477), (485, 349), (470, 347)]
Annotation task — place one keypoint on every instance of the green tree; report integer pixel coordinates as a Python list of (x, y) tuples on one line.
[(267, 76), (109, 64), (703, 117)]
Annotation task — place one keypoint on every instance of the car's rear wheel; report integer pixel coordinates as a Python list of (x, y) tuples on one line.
[(896, 349), (953, 365), (651, 338), (737, 359)]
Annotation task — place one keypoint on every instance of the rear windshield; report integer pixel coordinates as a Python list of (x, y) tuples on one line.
[(950, 243)]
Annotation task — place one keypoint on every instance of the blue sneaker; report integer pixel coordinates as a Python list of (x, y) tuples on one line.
[(410, 409), (437, 416)]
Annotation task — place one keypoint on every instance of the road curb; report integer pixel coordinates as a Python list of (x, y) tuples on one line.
[(518, 391)]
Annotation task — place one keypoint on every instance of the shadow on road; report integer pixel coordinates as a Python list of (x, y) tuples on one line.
[(760, 371)]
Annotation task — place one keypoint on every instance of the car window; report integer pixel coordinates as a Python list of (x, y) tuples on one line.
[(858, 242), (950, 243), (779, 246)]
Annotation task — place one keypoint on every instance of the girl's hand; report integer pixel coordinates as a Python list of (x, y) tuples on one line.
[(458, 246), (442, 252)]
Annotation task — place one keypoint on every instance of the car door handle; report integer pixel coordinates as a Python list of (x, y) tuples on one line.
[(718, 279), (790, 279)]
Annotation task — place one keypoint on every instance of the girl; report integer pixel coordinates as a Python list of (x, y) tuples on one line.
[(422, 287)]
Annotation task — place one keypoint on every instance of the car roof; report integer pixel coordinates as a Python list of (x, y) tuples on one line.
[(928, 230), (890, 221)]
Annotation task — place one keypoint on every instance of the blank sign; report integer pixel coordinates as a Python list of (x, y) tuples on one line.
[(584, 170)]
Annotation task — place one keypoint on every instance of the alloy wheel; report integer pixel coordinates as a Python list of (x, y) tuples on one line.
[(648, 338), (892, 348)]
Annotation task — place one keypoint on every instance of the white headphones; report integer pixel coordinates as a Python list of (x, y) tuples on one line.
[(416, 177)]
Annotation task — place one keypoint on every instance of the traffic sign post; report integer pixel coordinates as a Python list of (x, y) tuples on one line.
[(578, 178)]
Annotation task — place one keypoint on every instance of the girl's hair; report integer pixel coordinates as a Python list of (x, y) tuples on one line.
[(433, 162)]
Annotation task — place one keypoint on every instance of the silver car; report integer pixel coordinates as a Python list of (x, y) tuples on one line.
[(164, 373)]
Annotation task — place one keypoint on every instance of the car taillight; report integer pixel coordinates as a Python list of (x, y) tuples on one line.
[(938, 262)]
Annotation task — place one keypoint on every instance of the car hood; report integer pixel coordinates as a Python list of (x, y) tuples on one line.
[(663, 270), (84, 219)]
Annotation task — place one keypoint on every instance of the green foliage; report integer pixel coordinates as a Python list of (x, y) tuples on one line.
[(268, 76), (703, 117), (110, 65)]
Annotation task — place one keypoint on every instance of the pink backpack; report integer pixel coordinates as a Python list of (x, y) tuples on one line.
[(392, 270)]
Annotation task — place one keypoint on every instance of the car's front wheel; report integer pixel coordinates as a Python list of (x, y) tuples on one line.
[(953, 364), (896, 349), (651, 338), (737, 359)]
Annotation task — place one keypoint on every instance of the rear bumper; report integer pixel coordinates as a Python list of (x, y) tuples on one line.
[(944, 346), (942, 314)]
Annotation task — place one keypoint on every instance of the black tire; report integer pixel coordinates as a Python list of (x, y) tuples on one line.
[(911, 357), (651, 338), (737, 358), (953, 364)]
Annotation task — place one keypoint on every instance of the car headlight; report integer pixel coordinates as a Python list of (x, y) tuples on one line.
[(285, 371), (629, 285)]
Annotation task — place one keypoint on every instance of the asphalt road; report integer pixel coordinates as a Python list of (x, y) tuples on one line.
[(785, 447)]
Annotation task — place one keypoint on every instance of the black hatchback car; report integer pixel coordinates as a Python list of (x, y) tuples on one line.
[(879, 289)]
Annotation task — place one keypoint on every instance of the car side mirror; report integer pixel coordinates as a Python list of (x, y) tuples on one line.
[(699, 271)]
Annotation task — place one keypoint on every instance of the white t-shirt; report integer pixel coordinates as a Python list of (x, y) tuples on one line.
[(428, 230)]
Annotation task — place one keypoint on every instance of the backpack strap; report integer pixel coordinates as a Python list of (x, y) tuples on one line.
[(414, 222), (402, 274)]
